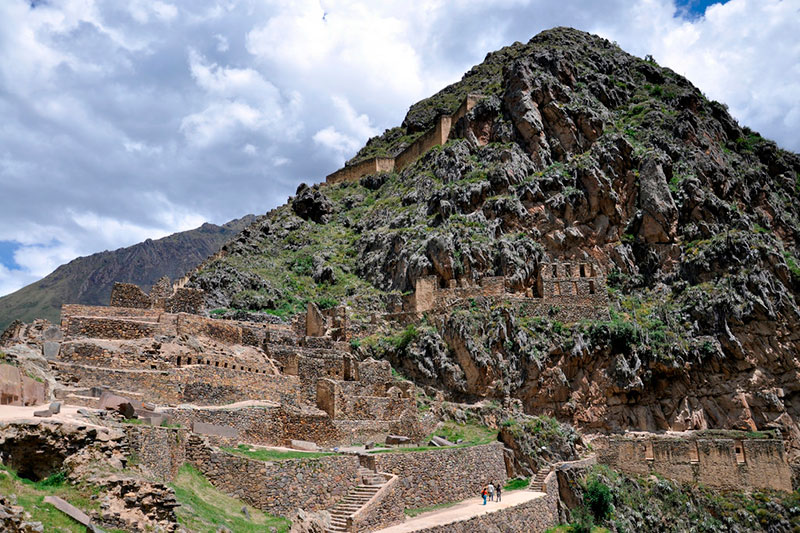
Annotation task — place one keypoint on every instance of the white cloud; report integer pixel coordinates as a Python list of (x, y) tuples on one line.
[(222, 43), (744, 53)]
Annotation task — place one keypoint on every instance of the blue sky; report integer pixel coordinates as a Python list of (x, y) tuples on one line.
[(696, 8), (131, 120)]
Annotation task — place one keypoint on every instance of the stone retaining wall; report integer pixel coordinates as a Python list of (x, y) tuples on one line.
[(200, 384), (160, 450), (18, 389), (111, 328), (277, 487), (446, 475), (725, 463)]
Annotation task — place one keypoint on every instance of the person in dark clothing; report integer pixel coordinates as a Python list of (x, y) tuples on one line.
[(498, 492)]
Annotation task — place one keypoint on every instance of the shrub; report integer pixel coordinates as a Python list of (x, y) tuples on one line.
[(597, 497)]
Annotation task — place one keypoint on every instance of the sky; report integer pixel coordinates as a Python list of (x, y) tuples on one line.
[(123, 121)]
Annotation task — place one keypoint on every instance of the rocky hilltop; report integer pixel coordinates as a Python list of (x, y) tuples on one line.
[(88, 280), (580, 154)]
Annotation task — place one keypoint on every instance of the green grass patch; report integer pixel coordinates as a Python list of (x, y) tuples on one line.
[(205, 509), (517, 483), (264, 454), (30, 495), (470, 434)]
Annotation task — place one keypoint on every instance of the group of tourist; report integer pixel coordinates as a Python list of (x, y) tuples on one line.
[(492, 492)]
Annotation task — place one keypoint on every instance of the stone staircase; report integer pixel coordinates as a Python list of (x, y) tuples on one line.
[(537, 483), (357, 497)]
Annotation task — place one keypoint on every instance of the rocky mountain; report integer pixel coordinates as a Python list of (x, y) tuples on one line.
[(88, 280), (577, 152)]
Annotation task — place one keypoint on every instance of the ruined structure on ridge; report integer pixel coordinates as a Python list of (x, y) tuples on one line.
[(162, 296), (564, 291), (436, 136), (731, 460)]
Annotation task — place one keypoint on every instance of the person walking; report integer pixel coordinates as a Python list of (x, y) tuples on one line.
[(491, 492), (499, 492), (483, 493)]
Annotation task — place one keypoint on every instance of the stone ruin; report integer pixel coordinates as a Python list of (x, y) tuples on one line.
[(565, 291), (162, 296), (439, 134)]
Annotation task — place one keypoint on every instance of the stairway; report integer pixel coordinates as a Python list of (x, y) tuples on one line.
[(537, 484), (357, 497)]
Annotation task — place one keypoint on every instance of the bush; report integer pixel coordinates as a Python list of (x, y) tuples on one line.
[(597, 497)]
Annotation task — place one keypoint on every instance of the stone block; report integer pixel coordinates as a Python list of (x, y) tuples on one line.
[(10, 385), (32, 391), (44, 413), (397, 440), (440, 441), (55, 407), (214, 430), (50, 349), (120, 404), (304, 445), (69, 510)]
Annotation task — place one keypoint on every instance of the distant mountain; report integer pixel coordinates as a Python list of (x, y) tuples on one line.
[(88, 280)]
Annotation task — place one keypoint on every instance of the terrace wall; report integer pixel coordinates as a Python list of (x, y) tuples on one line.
[(277, 487), (725, 463), (445, 475)]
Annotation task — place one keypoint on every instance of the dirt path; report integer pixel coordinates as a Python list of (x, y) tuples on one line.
[(462, 511)]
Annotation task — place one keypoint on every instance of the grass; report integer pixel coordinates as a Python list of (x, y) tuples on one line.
[(264, 454), (30, 495), (470, 434), (204, 509), (516, 484), (419, 510)]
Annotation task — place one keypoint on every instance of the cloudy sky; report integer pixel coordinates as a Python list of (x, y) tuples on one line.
[(121, 121)]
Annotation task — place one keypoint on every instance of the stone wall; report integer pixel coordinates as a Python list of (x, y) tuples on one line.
[(570, 293), (384, 509), (129, 295), (18, 389), (185, 300), (355, 172), (277, 487), (437, 135), (446, 475), (725, 463), (160, 450), (200, 384), (111, 328), (344, 400)]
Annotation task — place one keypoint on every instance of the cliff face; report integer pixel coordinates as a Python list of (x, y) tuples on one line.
[(578, 152), (88, 280)]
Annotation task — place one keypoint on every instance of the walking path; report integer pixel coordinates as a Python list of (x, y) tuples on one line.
[(463, 511)]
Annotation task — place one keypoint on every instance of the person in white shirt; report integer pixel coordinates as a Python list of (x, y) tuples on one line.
[(491, 492)]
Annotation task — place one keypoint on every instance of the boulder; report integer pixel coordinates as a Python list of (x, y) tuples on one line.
[(214, 430), (122, 405), (440, 441), (397, 440), (44, 413), (311, 204), (55, 407), (304, 445)]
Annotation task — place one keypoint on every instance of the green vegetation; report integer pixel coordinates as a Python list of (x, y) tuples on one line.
[(419, 510), (30, 495), (205, 509), (470, 434), (517, 484), (265, 454)]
